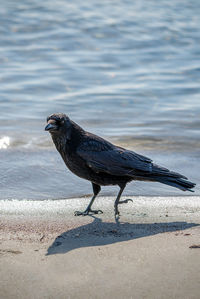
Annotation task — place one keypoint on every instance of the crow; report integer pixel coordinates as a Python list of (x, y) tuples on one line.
[(103, 163)]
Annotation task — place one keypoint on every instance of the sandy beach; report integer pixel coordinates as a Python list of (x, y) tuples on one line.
[(46, 252)]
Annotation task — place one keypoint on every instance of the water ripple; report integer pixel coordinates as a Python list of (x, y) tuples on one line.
[(127, 70)]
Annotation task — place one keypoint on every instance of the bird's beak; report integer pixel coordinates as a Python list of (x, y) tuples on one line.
[(51, 127)]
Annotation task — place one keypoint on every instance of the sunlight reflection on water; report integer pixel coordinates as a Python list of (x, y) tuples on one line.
[(4, 142)]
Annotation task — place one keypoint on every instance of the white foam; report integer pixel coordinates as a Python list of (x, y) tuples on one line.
[(177, 207), (4, 142)]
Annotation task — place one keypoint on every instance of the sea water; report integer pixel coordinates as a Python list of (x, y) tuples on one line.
[(128, 71)]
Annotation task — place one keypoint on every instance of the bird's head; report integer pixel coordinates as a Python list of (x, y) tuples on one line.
[(58, 123)]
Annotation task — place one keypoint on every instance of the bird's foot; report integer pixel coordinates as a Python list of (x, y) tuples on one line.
[(117, 216), (87, 212), (125, 201), (117, 213)]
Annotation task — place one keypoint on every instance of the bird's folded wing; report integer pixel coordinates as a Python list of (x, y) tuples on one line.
[(115, 161)]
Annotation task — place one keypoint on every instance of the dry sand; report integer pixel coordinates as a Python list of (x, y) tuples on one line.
[(46, 252)]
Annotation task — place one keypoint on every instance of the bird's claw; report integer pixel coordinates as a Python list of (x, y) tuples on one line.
[(96, 211), (125, 201), (117, 216), (117, 213), (78, 213), (87, 212)]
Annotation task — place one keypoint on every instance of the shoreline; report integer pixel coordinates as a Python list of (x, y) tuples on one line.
[(50, 217), (46, 252)]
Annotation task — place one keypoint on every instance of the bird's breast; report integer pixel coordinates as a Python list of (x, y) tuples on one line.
[(76, 165)]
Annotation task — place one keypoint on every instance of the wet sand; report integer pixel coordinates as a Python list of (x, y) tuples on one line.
[(152, 252)]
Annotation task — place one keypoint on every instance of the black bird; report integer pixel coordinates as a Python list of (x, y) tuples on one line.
[(99, 161)]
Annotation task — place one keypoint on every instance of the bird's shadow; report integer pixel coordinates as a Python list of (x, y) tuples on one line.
[(100, 233)]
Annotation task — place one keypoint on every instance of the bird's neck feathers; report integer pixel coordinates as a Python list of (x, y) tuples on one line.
[(70, 137), (59, 141)]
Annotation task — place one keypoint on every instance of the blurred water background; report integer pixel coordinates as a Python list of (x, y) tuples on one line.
[(126, 70)]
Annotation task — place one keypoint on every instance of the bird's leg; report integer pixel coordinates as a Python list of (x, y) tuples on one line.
[(96, 190), (118, 198)]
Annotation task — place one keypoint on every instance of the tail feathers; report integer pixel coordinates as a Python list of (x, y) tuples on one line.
[(179, 183), (159, 170)]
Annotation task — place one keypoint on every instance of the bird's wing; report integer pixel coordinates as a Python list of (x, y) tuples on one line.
[(104, 157)]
